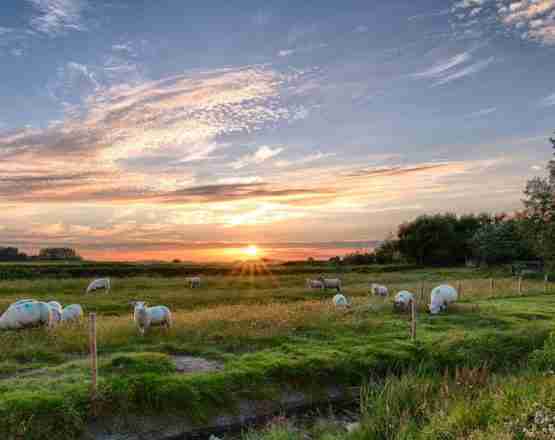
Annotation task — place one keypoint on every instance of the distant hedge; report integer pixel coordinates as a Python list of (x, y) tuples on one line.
[(14, 271)]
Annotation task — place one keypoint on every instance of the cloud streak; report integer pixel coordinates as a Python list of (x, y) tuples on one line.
[(548, 101), (454, 68), (481, 113), (55, 17), (262, 154)]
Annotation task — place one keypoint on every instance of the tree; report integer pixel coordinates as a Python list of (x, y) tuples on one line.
[(58, 254), (539, 214), (500, 242), (11, 254), (441, 239), (387, 252)]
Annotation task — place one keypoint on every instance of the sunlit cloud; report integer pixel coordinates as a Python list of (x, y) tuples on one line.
[(528, 19), (262, 154), (314, 157), (133, 130)]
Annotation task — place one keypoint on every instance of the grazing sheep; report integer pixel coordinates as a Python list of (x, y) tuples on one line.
[(379, 290), (331, 283), (442, 296), (100, 283), (339, 300), (72, 313), (314, 284), (402, 301), (55, 305), (26, 313), (193, 282), (146, 317), (56, 309)]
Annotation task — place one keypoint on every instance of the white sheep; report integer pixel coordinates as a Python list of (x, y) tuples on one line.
[(379, 290), (331, 283), (100, 283), (441, 297), (146, 317), (55, 304), (193, 282), (72, 313), (314, 284), (402, 300), (26, 313), (340, 300), (56, 308)]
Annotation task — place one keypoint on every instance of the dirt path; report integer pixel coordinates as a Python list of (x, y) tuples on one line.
[(183, 364)]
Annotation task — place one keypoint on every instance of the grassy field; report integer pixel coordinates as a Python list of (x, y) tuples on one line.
[(267, 331)]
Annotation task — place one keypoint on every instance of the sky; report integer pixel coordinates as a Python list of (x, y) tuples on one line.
[(144, 130)]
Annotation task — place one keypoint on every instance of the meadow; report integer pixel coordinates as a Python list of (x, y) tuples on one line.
[(267, 332)]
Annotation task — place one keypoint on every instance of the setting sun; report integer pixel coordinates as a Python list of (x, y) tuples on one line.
[(251, 251)]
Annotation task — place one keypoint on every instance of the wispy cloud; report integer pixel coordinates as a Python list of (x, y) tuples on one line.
[(398, 170), (304, 160), (482, 112), (136, 131), (303, 49), (548, 101), (451, 69), (54, 17), (442, 67), (425, 15), (261, 155)]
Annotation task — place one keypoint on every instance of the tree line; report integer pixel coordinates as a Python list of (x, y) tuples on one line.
[(48, 254), (448, 239)]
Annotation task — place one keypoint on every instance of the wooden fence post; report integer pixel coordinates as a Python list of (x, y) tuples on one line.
[(545, 283), (413, 320), (492, 285), (94, 360), (520, 285), (459, 288)]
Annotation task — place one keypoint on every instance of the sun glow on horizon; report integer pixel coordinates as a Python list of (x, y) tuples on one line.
[(251, 251)]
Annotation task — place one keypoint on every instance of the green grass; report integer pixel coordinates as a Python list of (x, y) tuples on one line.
[(268, 331)]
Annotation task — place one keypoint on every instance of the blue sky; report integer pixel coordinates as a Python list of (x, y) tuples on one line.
[(163, 128)]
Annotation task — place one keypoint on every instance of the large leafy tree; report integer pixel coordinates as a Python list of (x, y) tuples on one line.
[(500, 242), (438, 239), (539, 214)]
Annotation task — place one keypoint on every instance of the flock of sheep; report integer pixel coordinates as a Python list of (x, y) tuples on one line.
[(31, 313), (440, 297)]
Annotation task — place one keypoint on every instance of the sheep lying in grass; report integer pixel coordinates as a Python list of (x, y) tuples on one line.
[(340, 300), (100, 283), (379, 290), (331, 283), (193, 282), (402, 301), (26, 313), (441, 297), (146, 317), (72, 313), (314, 284)]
